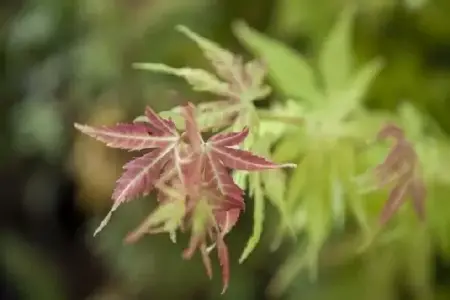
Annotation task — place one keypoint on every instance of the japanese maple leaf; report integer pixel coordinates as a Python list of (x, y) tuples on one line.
[(400, 166), (243, 78), (159, 136), (185, 170), (210, 165), (219, 154)]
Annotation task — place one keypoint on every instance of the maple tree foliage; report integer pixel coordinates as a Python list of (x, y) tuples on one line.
[(191, 175), (401, 167), (195, 181)]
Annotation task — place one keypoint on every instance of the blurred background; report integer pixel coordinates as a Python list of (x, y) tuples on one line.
[(67, 61)]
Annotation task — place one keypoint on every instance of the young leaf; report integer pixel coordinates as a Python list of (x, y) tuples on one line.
[(335, 58), (256, 192), (219, 148), (290, 147), (132, 137), (274, 182), (298, 181), (227, 219), (199, 79), (140, 176), (170, 213), (363, 78), (211, 116), (400, 165), (349, 100), (245, 80), (215, 156), (280, 118), (345, 163), (222, 251), (224, 61), (287, 68)]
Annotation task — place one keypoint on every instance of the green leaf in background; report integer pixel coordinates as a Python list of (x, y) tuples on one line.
[(199, 79), (245, 79), (297, 182), (335, 58), (251, 121), (169, 216), (274, 182), (412, 120), (272, 120), (350, 99), (256, 192), (345, 164), (360, 82), (290, 147), (288, 271), (317, 199), (289, 71), (211, 116), (222, 59)]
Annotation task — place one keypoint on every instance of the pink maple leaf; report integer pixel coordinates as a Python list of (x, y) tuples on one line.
[(401, 167), (183, 167), (158, 135)]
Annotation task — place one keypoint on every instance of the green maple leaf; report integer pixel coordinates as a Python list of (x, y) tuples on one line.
[(322, 188), (288, 70), (257, 194), (342, 87), (235, 79)]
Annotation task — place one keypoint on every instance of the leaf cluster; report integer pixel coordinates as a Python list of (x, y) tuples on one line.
[(320, 123)]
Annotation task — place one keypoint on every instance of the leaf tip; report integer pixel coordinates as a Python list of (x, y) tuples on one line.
[(131, 238), (79, 126), (224, 289), (239, 26), (138, 65), (97, 231), (188, 32), (289, 165), (181, 28), (244, 256)]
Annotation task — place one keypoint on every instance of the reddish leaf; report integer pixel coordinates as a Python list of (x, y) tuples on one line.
[(227, 219), (206, 260), (194, 243), (222, 251), (217, 176), (395, 200), (183, 167), (160, 125), (244, 160), (140, 175), (178, 167), (127, 136), (220, 202), (216, 155), (391, 130), (418, 194), (229, 139), (192, 129), (392, 163), (400, 165)]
